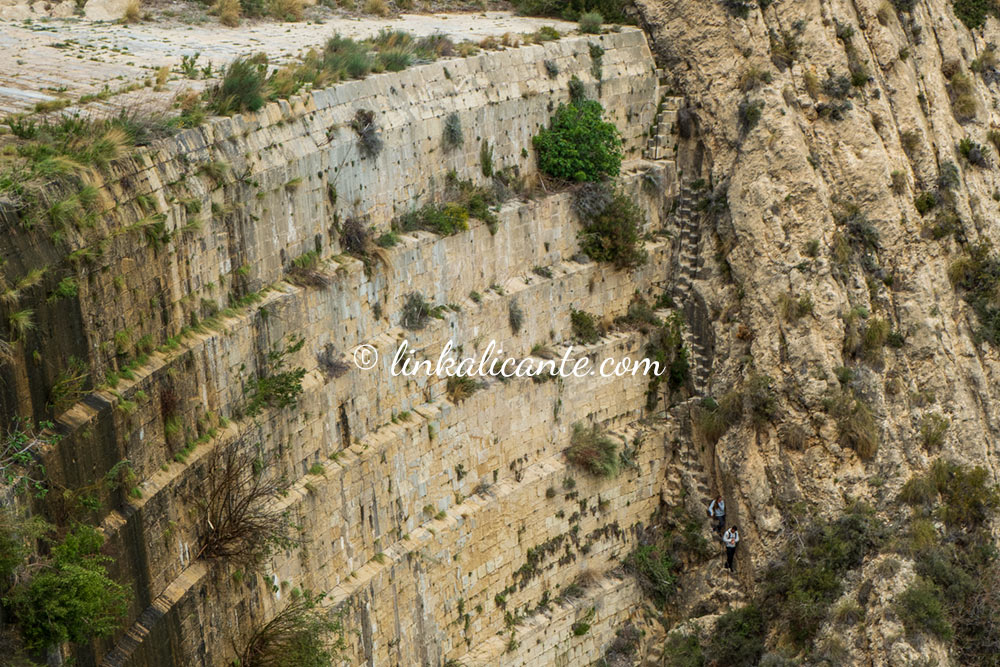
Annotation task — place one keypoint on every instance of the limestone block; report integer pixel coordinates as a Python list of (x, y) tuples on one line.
[(105, 10)]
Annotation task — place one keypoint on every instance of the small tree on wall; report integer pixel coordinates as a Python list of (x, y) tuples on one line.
[(241, 521), (300, 635), (579, 145)]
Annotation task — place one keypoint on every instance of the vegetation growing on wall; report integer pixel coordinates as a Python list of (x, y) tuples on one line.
[(592, 449), (579, 145), (302, 634), (240, 522), (462, 200), (957, 593), (612, 225), (977, 277), (64, 596), (275, 385)]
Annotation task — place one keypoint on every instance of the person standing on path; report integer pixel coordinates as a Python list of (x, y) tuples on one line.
[(717, 510), (731, 538)]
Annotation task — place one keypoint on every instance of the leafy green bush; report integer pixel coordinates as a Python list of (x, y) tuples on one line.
[(579, 145), (921, 610), (925, 201), (242, 87), (666, 347), (70, 598), (738, 638), (856, 423), (761, 399), (593, 450), (613, 234), (750, 113)]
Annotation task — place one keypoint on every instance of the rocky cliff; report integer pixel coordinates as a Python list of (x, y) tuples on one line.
[(851, 168)]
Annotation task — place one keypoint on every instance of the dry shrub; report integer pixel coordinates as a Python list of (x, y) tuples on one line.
[(377, 7), (133, 12), (228, 12), (288, 10)]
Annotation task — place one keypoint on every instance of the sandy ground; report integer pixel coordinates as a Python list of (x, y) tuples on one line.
[(49, 59)]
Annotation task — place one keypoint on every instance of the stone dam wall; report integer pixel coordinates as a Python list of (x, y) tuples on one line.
[(421, 519)]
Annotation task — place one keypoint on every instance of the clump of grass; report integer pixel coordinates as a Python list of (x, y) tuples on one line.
[(369, 141), (713, 418), (593, 450), (933, 427), (855, 422), (452, 135), (460, 387), (591, 23), (515, 316), (242, 87), (612, 226)]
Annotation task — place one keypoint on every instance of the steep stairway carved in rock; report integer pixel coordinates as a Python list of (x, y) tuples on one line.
[(688, 266), (662, 140)]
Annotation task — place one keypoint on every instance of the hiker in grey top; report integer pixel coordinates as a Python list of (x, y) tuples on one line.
[(731, 538), (717, 510)]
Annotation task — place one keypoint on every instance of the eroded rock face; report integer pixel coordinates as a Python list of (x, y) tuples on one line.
[(803, 174)]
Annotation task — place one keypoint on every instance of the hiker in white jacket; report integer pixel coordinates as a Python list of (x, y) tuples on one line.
[(717, 510), (731, 538)]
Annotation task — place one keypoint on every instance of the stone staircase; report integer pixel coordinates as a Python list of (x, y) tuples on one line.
[(688, 266), (662, 143)]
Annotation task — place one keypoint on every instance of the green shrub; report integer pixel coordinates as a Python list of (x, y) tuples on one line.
[(656, 570), (925, 201), (666, 348), (364, 125), (977, 276), (613, 234), (738, 8), (761, 399), (584, 326), (615, 11), (70, 598), (856, 423), (394, 60), (591, 23), (738, 638), (973, 13), (242, 87), (591, 449), (750, 113), (933, 427), (975, 154), (275, 387), (579, 145), (460, 387), (682, 651), (577, 91), (921, 610), (799, 588)]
